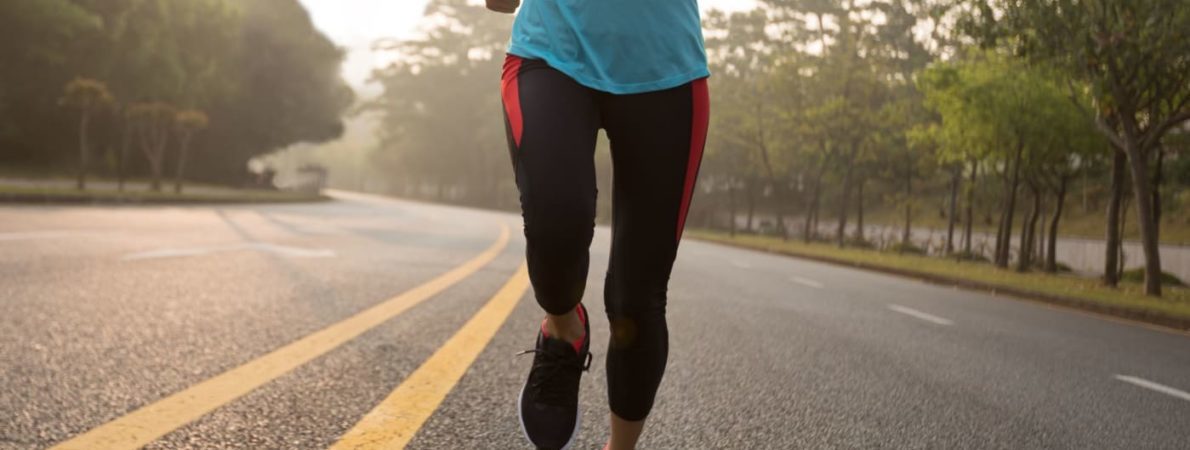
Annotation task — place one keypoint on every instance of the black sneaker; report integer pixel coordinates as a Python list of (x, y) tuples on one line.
[(548, 405)]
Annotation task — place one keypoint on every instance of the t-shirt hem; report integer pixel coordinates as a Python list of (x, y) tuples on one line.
[(610, 87)]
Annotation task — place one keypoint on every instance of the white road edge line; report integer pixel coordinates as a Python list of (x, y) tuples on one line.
[(1154, 386), (292, 252), (31, 235), (920, 315), (740, 264), (807, 282)]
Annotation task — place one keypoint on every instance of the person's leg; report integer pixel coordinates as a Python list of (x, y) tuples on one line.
[(552, 124), (657, 141)]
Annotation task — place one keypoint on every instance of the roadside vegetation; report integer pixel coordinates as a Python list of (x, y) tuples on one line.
[(159, 88), (998, 115), (1127, 299)]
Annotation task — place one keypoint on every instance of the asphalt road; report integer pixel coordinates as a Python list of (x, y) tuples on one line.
[(107, 310)]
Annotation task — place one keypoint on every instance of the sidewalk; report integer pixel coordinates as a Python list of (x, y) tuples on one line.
[(62, 190)]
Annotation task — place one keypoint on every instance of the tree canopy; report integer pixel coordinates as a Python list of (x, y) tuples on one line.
[(264, 74)]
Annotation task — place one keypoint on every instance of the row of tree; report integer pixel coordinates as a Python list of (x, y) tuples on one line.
[(824, 110), (1002, 96), (261, 71), (150, 124)]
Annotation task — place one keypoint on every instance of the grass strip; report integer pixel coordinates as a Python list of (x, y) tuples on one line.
[(1128, 301)]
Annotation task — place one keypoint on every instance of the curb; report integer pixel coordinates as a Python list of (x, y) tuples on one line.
[(1177, 324), (33, 198)]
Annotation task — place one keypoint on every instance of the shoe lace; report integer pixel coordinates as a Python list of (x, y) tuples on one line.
[(549, 380)]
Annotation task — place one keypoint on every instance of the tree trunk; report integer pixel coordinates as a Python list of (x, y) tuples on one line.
[(817, 212), (120, 165), (810, 228), (1111, 260), (1158, 177), (1006, 245), (154, 139), (751, 204), (952, 215), (84, 154), (1022, 260), (1124, 205), (156, 164), (1051, 253), (1146, 219), (731, 206), (779, 210), (1029, 232), (997, 251), (970, 213), (1039, 239), (183, 150), (907, 234), (1086, 197), (841, 231), (859, 214)]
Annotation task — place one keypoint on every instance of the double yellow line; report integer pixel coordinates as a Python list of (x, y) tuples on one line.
[(390, 425)]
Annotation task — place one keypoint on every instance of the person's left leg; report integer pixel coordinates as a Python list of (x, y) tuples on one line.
[(552, 124), (657, 142)]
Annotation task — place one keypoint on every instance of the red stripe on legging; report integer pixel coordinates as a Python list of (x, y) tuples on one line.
[(698, 139), (511, 93)]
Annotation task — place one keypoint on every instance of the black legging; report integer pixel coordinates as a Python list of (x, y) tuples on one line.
[(657, 141)]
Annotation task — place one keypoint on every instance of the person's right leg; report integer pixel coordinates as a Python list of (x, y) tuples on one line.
[(657, 141), (552, 124)]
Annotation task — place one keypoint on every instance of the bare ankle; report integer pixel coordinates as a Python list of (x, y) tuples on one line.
[(625, 433), (568, 327)]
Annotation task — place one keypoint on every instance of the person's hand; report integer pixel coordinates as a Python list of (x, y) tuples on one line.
[(504, 6)]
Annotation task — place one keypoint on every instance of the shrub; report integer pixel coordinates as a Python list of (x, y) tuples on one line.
[(902, 247), (1137, 275)]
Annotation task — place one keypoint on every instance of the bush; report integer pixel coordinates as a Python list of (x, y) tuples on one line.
[(1137, 275), (909, 248), (855, 242), (971, 256)]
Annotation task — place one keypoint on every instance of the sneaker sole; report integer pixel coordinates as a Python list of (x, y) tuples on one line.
[(578, 420)]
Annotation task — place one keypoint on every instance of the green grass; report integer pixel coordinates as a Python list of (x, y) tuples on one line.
[(1128, 299), (1175, 225), (42, 194)]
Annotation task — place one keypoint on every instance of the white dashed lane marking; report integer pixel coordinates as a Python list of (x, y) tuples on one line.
[(920, 315), (806, 282), (1173, 392)]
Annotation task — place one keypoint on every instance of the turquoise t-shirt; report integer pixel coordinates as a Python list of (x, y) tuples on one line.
[(617, 46)]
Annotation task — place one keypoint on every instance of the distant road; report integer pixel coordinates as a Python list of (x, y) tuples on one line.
[(285, 326)]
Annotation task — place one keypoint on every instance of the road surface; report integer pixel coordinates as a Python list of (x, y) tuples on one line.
[(291, 326)]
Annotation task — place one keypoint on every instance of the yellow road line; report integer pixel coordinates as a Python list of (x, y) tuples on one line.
[(140, 427), (394, 422)]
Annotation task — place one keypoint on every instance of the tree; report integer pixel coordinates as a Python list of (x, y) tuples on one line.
[(748, 117), (441, 131), (1132, 56), (88, 97), (153, 123), (37, 58), (1016, 119), (187, 123), (259, 66)]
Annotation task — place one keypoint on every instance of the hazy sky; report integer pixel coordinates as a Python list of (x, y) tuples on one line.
[(355, 24)]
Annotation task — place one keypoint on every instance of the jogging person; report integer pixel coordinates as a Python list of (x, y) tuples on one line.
[(636, 69)]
